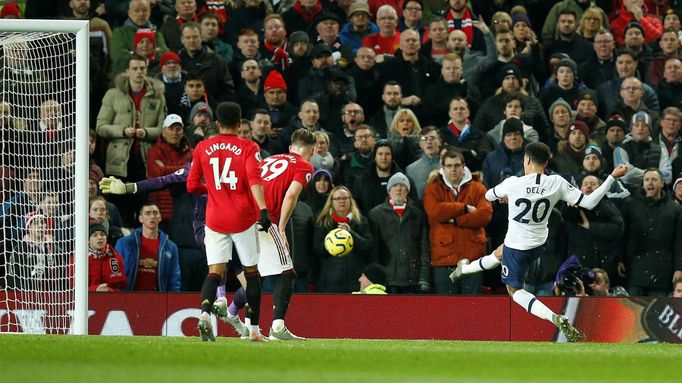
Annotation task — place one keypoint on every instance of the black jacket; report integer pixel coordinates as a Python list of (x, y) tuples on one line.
[(414, 78), (402, 244), (594, 246), (213, 70), (437, 100), (340, 274), (369, 189), (652, 249)]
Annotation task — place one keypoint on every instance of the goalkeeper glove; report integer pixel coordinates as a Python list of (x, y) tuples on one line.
[(112, 185), (264, 220)]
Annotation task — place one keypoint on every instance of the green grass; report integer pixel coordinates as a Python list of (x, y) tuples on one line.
[(27, 358)]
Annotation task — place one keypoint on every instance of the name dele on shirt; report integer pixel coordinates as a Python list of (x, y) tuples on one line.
[(535, 190), (223, 146)]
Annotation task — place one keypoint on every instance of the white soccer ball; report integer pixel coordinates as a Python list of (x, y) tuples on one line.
[(338, 242)]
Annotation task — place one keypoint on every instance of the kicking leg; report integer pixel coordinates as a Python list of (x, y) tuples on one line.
[(532, 305), (487, 262)]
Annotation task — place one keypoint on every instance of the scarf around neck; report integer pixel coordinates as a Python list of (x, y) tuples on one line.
[(467, 24)]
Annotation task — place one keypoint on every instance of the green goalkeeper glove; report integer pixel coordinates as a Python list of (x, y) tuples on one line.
[(112, 185)]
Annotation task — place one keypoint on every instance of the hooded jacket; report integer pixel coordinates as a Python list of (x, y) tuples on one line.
[(456, 234)]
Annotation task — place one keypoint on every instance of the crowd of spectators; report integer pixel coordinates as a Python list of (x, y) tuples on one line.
[(418, 107)]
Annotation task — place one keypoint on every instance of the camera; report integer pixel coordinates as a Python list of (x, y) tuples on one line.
[(568, 285)]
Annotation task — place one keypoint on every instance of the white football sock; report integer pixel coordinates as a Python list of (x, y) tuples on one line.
[(487, 262), (254, 328), (278, 325), (247, 322), (531, 304)]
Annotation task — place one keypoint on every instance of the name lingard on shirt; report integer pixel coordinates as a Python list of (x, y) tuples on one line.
[(223, 146), (535, 190)]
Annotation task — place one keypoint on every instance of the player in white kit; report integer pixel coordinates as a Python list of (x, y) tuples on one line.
[(531, 199)]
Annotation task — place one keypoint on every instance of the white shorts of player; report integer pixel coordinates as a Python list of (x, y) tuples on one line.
[(219, 246), (274, 254)]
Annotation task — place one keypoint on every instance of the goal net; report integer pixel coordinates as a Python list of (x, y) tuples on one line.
[(41, 120)]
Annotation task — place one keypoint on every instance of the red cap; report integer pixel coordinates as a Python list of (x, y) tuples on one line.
[(144, 33), (10, 9), (169, 56), (274, 81)]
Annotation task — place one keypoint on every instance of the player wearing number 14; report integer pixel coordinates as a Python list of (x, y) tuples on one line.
[(531, 199), (226, 167)]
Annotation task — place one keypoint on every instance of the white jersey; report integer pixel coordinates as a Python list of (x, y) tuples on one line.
[(531, 200)]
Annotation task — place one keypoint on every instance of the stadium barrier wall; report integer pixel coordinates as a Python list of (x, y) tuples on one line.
[(497, 318)]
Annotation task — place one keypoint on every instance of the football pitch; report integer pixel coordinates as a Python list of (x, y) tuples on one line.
[(99, 359)]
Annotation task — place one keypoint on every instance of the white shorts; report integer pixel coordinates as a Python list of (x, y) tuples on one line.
[(274, 255), (219, 246)]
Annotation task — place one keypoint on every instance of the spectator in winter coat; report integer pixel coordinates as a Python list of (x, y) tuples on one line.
[(150, 258), (105, 265), (358, 27), (340, 274), (458, 213), (651, 257), (592, 233), (401, 233), (170, 153), (635, 11)]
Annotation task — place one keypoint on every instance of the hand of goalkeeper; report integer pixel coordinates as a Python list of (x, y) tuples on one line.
[(112, 185)]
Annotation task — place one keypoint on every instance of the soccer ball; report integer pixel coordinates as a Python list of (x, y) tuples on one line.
[(338, 242)]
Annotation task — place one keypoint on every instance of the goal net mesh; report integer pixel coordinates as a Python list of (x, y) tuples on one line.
[(37, 157)]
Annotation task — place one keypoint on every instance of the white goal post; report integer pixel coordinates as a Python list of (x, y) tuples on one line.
[(44, 76)]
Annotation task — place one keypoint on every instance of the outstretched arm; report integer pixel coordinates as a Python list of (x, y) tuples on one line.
[(590, 201)]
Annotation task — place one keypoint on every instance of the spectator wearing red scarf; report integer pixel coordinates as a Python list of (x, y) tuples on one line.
[(300, 17), (401, 233)]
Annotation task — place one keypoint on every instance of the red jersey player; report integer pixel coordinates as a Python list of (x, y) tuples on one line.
[(284, 177), (226, 167)]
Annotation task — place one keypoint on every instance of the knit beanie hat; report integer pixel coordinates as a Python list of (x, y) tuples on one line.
[(96, 227), (641, 116), (375, 273), (521, 17), (10, 9), (169, 56), (581, 126), (274, 81), (618, 121), (559, 101), (398, 178), (299, 37), (200, 107), (568, 63), (512, 125), (144, 33), (509, 69)]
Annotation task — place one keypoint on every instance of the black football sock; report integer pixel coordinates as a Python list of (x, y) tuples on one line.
[(253, 291), (208, 291), (283, 291)]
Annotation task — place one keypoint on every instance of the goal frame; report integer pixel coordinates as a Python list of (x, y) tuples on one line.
[(79, 320)]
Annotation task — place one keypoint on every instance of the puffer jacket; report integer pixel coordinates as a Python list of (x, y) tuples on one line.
[(118, 112), (456, 234)]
